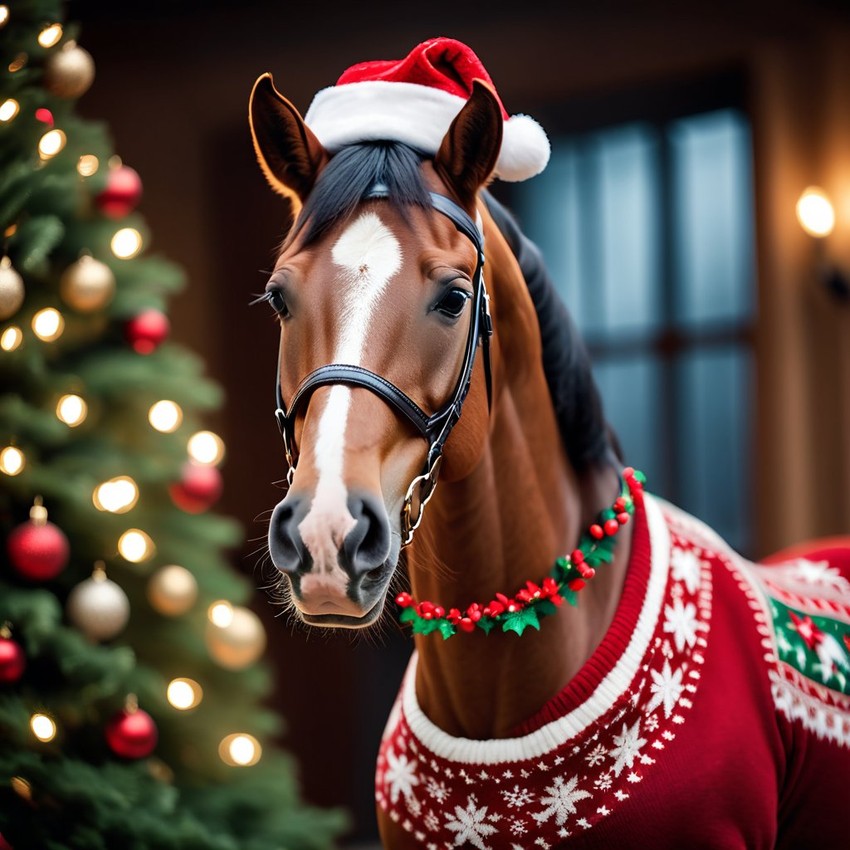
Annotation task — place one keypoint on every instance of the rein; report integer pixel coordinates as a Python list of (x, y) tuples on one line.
[(434, 428)]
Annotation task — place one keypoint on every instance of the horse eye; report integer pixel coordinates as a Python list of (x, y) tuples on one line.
[(451, 304), (278, 302)]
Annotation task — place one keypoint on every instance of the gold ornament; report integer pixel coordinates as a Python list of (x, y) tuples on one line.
[(238, 644), (172, 590), (11, 289), (87, 285), (69, 72)]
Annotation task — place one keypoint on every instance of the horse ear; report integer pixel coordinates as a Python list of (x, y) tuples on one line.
[(289, 153), (470, 148)]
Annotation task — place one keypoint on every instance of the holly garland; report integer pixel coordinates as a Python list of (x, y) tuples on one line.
[(525, 609)]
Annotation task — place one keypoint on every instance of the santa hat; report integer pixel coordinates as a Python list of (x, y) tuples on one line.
[(414, 100)]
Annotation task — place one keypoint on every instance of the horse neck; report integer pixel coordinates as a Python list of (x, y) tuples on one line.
[(501, 525)]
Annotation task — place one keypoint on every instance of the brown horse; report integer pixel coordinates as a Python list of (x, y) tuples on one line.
[(385, 333)]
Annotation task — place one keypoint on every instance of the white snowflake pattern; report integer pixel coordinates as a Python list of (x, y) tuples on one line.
[(561, 800), (666, 689), (436, 790), (681, 621), (628, 747), (470, 825), (818, 573), (596, 755), (401, 775), (651, 723), (686, 567), (604, 782), (517, 798), (431, 821), (518, 827)]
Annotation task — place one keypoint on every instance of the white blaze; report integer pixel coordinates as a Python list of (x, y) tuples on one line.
[(368, 255)]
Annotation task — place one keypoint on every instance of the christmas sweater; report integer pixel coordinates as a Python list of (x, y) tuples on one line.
[(714, 714)]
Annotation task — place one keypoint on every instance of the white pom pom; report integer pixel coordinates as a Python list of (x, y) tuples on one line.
[(525, 149)]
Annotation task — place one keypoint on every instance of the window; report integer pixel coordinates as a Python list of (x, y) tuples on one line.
[(647, 229)]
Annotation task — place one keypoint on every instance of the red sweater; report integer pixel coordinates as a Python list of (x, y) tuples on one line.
[(714, 714)]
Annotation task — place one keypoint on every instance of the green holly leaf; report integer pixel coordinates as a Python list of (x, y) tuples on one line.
[(570, 595), (425, 627), (519, 621), (446, 629), (545, 607), (486, 624), (408, 615)]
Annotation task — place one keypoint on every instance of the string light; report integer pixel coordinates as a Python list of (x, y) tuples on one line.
[(165, 416), (815, 212), (126, 243), (184, 694), (11, 338), (220, 613), (43, 727), (21, 787), (135, 546), (72, 410), (48, 324), (4, 15), (9, 109), (51, 143), (50, 35), (18, 62), (118, 495), (206, 448), (87, 165), (12, 460), (240, 750)]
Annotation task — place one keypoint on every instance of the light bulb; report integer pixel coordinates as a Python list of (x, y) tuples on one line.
[(135, 546), (206, 448), (12, 460), (51, 143), (165, 416), (72, 410), (4, 15), (48, 324), (50, 35), (126, 243), (220, 613), (43, 727), (240, 750), (9, 109), (87, 165), (11, 338), (815, 212), (118, 495), (184, 694)]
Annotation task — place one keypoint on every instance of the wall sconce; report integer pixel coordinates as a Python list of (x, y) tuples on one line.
[(817, 217)]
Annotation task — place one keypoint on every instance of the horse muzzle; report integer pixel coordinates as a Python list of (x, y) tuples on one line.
[(339, 557)]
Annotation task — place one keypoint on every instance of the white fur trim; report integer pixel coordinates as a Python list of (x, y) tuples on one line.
[(418, 116)]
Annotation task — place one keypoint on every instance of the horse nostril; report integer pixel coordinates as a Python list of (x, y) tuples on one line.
[(285, 544), (367, 546)]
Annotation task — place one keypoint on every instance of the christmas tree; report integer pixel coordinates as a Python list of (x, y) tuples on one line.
[(130, 687)]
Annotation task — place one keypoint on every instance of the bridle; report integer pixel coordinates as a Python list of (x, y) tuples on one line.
[(434, 428)]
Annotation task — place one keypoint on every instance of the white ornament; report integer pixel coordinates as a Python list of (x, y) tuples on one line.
[(98, 607)]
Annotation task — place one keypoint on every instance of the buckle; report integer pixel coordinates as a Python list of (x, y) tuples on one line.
[(426, 484)]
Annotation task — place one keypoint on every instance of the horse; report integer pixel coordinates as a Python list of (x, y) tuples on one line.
[(438, 411)]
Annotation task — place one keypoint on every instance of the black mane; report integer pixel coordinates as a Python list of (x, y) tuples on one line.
[(341, 187)]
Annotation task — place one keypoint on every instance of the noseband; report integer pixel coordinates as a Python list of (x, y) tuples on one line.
[(435, 429)]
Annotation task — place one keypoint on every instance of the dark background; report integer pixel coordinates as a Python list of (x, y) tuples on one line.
[(173, 80)]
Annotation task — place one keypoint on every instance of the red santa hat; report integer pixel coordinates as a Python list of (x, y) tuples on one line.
[(414, 100)]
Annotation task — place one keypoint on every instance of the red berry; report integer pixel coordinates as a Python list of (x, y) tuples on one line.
[(619, 504), (404, 599), (577, 556), (622, 518), (611, 527), (439, 612), (596, 531), (576, 584), (466, 625)]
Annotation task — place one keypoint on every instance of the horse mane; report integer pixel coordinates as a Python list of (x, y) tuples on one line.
[(342, 186)]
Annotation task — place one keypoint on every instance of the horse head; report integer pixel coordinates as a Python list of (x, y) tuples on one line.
[(384, 324)]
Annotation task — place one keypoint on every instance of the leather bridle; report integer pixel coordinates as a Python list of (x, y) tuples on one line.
[(435, 429)]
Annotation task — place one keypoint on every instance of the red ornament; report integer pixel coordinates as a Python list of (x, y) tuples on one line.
[(131, 733), (38, 549), (146, 331), (122, 193), (13, 661), (198, 490), (45, 116)]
